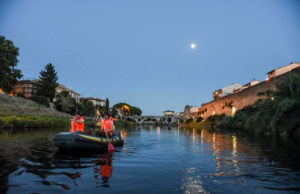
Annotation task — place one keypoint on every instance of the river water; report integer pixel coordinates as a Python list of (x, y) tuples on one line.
[(152, 160)]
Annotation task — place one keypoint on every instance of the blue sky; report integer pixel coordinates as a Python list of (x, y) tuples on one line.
[(138, 51)]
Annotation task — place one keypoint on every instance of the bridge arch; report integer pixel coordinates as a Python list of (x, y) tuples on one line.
[(131, 119)]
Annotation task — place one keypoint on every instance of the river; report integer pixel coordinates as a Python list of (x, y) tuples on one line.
[(152, 160)]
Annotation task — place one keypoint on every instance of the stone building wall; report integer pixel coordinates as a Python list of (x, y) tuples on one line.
[(234, 102)]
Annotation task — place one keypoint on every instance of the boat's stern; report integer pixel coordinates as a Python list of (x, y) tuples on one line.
[(64, 140)]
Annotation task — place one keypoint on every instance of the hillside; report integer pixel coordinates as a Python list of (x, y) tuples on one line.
[(11, 105)]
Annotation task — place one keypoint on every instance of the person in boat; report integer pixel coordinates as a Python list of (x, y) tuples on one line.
[(98, 119), (77, 123), (107, 127)]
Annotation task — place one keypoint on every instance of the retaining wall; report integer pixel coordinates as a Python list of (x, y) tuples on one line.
[(227, 104)]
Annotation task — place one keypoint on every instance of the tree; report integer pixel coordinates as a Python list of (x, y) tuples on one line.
[(135, 111), (126, 109), (47, 82), (8, 60), (65, 103), (106, 105), (88, 108)]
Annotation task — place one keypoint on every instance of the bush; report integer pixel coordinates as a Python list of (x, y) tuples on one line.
[(65, 103), (20, 95), (88, 108), (40, 100), (189, 121), (215, 118), (199, 119), (119, 124)]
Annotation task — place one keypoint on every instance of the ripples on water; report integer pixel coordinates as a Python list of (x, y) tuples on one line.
[(153, 160)]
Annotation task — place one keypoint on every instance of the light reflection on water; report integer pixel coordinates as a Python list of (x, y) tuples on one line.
[(153, 160)]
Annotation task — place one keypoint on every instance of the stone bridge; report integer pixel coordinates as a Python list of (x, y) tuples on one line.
[(151, 120)]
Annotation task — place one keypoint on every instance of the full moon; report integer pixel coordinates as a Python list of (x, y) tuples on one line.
[(193, 45)]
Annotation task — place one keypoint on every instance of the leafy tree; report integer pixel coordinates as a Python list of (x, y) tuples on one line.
[(8, 61), (126, 108), (47, 82), (135, 111), (65, 103), (119, 106), (107, 105), (88, 108)]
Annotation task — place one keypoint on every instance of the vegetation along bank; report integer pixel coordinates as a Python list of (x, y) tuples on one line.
[(277, 113), (20, 113)]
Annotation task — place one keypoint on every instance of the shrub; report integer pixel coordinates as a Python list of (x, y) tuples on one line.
[(20, 95), (189, 121), (88, 108), (65, 103), (199, 119), (40, 100)]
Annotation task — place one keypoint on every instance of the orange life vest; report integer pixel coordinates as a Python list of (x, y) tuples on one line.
[(77, 126), (107, 124)]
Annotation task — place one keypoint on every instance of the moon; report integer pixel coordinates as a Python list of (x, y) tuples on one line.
[(193, 46)]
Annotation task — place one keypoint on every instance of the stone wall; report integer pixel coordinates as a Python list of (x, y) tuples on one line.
[(234, 102)]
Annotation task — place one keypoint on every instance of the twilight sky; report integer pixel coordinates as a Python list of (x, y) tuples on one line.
[(138, 51)]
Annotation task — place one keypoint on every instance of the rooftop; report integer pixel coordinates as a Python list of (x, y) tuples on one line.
[(284, 66)]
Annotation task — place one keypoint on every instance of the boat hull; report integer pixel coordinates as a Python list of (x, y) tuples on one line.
[(81, 141)]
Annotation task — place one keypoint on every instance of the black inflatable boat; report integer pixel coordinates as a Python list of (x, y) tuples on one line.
[(82, 141)]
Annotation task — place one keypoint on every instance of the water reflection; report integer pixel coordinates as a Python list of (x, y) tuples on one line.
[(106, 168), (182, 160)]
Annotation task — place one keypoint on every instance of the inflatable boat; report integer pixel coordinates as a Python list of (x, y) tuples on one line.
[(82, 141)]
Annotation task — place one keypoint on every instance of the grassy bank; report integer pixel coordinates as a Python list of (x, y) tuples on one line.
[(12, 105), (121, 124), (32, 121), (209, 123), (20, 113)]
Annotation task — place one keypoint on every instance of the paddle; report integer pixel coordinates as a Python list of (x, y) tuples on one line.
[(111, 147)]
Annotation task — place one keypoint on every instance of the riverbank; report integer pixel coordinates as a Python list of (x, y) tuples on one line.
[(124, 124), (19, 113), (32, 122), (211, 122), (277, 113)]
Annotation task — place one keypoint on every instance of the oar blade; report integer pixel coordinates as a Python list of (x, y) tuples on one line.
[(111, 147)]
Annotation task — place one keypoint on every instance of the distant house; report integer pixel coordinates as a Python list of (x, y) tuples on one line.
[(10, 93), (190, 112), (250, 84), (193, 109), (179, 114), (226, 91), (169, 113), (282, 70), (72, 93), (27, 88), (95, 101)]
